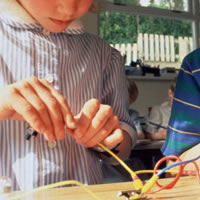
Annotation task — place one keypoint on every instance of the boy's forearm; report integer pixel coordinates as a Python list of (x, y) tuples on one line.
[(190, 154), (124, 150), (157, 135)]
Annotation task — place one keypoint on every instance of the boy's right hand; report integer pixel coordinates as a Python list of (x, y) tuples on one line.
[(38, 103)]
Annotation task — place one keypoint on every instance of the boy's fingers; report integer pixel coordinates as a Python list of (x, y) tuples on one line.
[(98, 122), (88, 112), (115, 138), (27, 91), (104, 132), (53, 107), (66, 112), (27, 111)]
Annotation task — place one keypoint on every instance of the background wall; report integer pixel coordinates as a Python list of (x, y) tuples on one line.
[(90, 21)]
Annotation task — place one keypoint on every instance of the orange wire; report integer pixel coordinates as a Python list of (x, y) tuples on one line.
[(191, 172), (179, 174), (174, 181)]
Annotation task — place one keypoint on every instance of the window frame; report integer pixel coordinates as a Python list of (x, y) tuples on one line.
[(193, 14)]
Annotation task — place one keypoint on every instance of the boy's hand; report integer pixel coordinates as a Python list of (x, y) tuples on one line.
[(97, 123), (37, 102)]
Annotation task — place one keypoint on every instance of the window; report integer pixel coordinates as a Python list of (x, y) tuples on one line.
[(181, 5), (158, 32)]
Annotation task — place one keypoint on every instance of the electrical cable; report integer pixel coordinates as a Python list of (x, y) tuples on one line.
[(154, 179), (63, 183), (177, 164), (185, 172), (137, 183)]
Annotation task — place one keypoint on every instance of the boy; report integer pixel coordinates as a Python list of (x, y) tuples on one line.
[(69, 69), (183, 135), (133, 92), (158, 119)]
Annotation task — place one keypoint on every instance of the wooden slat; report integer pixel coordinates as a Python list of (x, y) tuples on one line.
[(135, 52), (167, 44), (181, 54), (172, 49), (162, 48), (146, 47), (157, 49), (186, 46), (123, 49), (129, 54), (140, 45), (152, 48), (190, 44)]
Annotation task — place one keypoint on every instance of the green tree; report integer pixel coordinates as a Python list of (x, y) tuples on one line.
[(118, 27), (173, 4)]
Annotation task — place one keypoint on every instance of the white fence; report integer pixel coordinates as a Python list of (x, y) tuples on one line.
[(157, 49)]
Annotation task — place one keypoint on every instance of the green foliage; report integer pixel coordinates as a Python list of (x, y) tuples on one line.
[(165, 26), (118, 27), (125, 1)]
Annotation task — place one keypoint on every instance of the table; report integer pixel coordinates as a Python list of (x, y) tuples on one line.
[(186, 189), (147, 144)]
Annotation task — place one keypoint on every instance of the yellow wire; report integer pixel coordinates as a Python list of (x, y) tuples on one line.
[(118, 159), (136, 181), (70, 182), (152, 171)]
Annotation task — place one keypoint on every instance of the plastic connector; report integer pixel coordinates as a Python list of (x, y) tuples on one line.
[(149, 184)]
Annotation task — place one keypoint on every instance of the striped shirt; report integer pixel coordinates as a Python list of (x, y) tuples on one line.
[(81, 66), (184, 125)]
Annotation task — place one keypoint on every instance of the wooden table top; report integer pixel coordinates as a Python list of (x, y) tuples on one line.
[(187, 188)]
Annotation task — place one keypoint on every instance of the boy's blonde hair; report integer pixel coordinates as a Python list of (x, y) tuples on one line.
[(132, 90)]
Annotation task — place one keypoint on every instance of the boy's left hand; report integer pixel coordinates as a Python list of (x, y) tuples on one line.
[(96, 123)]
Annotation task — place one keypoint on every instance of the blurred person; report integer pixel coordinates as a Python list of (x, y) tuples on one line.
[(134, 114), (157, 121)]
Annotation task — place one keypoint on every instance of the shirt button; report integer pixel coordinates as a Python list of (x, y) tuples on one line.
[(52, 144), (45, 32), (49, 78)]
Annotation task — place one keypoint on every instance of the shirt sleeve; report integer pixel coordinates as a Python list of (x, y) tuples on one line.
[(154, 118), (116, 93), (184, 124)]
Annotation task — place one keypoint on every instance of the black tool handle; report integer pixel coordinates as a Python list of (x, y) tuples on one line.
[(30, 132)]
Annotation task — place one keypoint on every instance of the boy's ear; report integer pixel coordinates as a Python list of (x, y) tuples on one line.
[(170, 93)]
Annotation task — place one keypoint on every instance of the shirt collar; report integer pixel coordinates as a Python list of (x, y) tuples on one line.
[(13, 14)]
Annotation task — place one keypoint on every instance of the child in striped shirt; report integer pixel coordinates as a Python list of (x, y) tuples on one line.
[(67, 84), (183, 135)]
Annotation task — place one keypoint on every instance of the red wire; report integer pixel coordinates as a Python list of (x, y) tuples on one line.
[(192, 172), (174, 181), (179, 174)]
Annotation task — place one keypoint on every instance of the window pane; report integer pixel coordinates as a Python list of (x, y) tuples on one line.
[(180, 5), (155, 41)]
